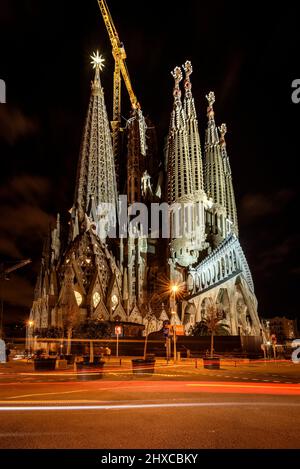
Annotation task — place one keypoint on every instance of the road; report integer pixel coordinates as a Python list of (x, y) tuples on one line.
[(178, 407)]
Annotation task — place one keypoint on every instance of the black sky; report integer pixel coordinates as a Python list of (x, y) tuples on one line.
[(248, 53)]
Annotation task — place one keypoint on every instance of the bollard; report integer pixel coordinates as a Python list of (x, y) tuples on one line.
[(196, 363), (120, 361)]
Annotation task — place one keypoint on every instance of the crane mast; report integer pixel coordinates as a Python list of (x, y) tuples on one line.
[(119, 56)]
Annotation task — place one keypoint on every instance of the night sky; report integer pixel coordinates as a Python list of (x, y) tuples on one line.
[(248, 53)]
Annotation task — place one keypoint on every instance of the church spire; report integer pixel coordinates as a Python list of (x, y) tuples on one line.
[(229, 192), (96, 179), (180, 186), (179, 171), (214, 172), (192, 130), (135, 158)]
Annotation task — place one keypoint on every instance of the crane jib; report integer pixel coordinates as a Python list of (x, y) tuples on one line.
[(119, 56)]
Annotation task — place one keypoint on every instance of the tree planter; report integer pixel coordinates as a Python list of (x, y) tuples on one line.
[(70, 359), (61, 364), (44, 364), (141, 366), (89, 371), (211, 363)]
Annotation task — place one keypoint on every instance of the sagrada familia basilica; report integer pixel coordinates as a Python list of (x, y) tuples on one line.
[(129, 278)]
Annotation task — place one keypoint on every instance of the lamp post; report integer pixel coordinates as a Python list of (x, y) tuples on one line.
[(118, 331), (29, 335), (174, 334), (174, 290)]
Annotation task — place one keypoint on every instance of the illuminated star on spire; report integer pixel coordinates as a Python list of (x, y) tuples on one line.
[(97, 60)]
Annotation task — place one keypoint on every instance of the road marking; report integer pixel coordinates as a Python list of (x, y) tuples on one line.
[(116, 387), (233, 385), (144, 406), (47, 393), (55, 401)]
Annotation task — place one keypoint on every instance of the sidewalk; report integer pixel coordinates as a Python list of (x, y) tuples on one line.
[(185, 365)]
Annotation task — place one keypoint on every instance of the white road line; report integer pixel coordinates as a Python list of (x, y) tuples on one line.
[(46, 393), (80, 390), (246, 385), (55, 402), (144, 406)]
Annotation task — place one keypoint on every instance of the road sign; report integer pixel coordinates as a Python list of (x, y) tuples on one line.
[(179, 329)]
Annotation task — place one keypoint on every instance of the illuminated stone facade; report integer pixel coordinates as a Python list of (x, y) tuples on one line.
[(89, 275)]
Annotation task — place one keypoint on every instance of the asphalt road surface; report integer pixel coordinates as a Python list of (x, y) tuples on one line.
[(178, 407)]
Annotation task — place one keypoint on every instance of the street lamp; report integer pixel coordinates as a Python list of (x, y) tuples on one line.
[(30, 324), (174, 333), (174, 289)]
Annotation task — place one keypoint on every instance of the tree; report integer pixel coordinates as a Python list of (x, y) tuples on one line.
[(200, 329), (53, 332), (68, 306), (150, 316), (71, 319), (211, 325), (93, 329)]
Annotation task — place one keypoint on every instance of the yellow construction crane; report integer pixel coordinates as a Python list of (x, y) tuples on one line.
[(4, 271), (119, 56)]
